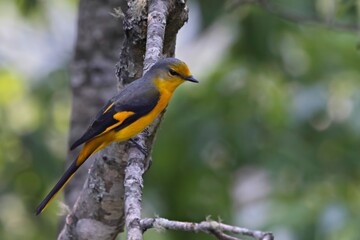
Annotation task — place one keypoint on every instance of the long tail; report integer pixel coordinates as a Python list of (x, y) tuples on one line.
[(59, 185), (89, 148)]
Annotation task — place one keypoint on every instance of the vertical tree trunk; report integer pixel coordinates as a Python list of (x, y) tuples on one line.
[(93, 81)]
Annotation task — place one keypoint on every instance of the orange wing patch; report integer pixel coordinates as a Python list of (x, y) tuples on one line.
[(120, 116), (101, 140)]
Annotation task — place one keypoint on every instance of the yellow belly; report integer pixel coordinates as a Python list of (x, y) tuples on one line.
[(140, 124)]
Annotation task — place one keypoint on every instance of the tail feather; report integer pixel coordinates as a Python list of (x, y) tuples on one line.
[(59, 185), (89, 148)]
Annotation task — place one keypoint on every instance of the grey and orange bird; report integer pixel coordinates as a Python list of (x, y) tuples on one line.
[(127, 114)]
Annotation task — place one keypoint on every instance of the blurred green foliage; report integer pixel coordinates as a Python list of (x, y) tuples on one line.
[(28, 7), (268, 140), (34, 120)]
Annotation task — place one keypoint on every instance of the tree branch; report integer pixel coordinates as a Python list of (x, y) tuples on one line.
[(158, 11), (213, 227), (222, 236), (99, 210)]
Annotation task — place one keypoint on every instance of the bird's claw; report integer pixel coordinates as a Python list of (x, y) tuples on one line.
[(139, 146)]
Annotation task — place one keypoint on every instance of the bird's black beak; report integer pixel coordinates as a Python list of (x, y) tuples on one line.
[(191, 79)]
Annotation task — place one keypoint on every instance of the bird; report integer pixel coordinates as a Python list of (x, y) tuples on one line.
[(126, 114)]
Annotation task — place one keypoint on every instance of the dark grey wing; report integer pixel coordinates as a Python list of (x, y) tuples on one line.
[(136, 98), (102, 121)]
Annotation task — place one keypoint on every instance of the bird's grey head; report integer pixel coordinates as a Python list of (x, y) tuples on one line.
[(171, 69)]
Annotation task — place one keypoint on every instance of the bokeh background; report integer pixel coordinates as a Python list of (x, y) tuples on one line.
[(268, 140)]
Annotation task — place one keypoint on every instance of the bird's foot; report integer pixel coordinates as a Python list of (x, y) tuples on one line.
[(143, 149), (140, 146)]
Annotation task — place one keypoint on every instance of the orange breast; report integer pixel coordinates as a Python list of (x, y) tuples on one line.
[(140, 124)]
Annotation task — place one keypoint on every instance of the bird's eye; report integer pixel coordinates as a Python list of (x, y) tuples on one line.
[(172, 72)]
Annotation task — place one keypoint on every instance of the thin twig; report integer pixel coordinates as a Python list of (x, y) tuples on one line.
[(222, 236), (133, 184), (205, 226)]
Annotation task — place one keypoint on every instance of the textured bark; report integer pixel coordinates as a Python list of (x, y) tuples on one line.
[(99, 210), (92, 74), (157, 45), (218, 229), (99, 40)]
